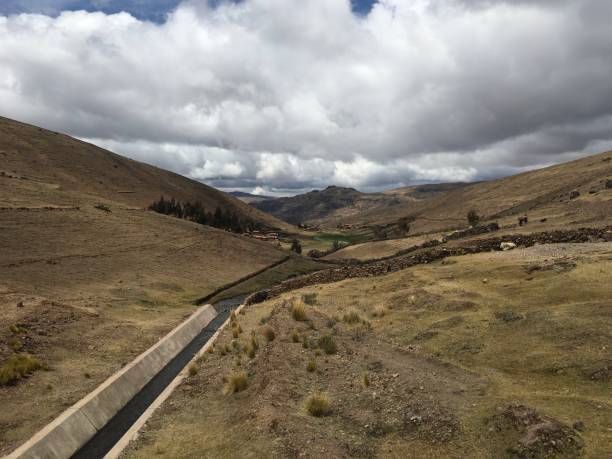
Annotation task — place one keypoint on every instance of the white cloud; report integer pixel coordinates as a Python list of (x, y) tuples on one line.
[(297, 94)]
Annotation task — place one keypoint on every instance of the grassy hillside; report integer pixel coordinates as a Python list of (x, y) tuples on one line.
[(544, 193), (43, 156), (88, 278), (500, 355)]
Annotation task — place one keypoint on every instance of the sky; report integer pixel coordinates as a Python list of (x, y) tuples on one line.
[(283, 96)]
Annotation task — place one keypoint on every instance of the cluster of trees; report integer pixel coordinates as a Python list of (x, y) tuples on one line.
[(220, 218)]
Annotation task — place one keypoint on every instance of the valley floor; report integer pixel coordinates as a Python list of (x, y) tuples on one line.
[(502, 354)]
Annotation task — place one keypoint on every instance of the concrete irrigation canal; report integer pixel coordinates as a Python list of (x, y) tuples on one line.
[(106, 438)]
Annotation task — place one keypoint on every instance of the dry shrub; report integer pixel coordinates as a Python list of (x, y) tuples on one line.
[(268, 333), (233, 316), (237, 381), (295, 337), (299, 311), (328, 345), (351, 317), (235, 333), (309, 298), (311, 366), (366, 380), (318, 405), (16, 367), (305, 342), (249, 350), (193, 369)]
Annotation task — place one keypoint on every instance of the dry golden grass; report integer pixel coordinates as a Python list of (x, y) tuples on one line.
[(318, 405), (268, 333), (299, 310), (311, 366), (237, 381), (328, 344), (17, 367)]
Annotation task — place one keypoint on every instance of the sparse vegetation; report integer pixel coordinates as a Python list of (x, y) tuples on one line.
[(318, 405), (366, 380), (328, 345), (237, 381), (295, 336), (296, 246), (473, 218), (379, 311), (351, 317), (193, 369), (311, 366), (269, 333), (299, 311), (17, 367), (310, 299)]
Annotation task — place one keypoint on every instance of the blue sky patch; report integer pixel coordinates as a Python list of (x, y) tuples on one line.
[(152, 10)]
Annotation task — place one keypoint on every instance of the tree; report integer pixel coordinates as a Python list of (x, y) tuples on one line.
[(473, 217), (403, 226), (296, 246)]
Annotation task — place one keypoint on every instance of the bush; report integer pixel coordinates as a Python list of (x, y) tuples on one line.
[(237, 381), (318, 405), (312, 366), (268, 333), (309, 298), (249, 350), (295, 337), (299, 311), (193, 369), (473, 218), (296, 246), (352, 317), (16, 367), (328, 345)]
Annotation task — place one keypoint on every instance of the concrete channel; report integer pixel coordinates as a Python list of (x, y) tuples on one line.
[(106, 438)]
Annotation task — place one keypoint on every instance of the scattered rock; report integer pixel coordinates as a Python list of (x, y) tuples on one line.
[(539, 436), (20, 304), (579, 426), (507, 246), (574, 194), (508, 316)]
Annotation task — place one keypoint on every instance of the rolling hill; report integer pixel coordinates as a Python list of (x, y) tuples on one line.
[(325, 206), (250, 198), (43, 156), (572, 193), (88, 277)]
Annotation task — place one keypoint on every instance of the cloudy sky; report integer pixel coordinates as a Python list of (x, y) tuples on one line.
[(287, 95)]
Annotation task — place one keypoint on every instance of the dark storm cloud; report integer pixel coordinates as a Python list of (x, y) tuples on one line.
[(292, 94)]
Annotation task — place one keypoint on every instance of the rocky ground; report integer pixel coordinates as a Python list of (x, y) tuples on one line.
[(495, 354)]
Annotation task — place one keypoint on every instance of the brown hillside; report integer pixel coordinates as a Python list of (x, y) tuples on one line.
[(544, 193), (72, 165), (84, 288)]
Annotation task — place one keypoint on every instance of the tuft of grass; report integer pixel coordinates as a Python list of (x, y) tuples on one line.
[(237, 381), (299, 311), (254, 342), (309, 298), (318, 405), (351, 317), (295, 337), (233, 316), (379, 311), (249, 350), (228, 348), (211, 349), (305, 342), (193, 369), (235, 344), (311, 366), (366, 380), (235, 333), (16, 367), (328, 345), (268, 333), (15, 343), (17, 330)]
